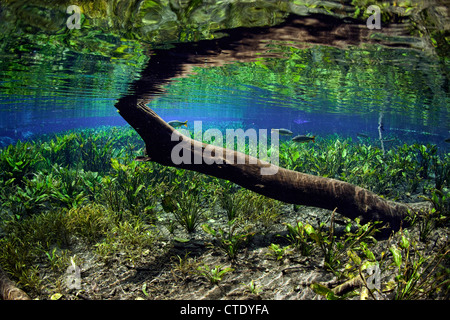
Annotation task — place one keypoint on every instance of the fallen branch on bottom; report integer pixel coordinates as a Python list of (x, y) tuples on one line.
[(9, 290)]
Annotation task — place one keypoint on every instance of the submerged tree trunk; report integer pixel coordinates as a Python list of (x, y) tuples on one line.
[(8, 290), (285, 185)]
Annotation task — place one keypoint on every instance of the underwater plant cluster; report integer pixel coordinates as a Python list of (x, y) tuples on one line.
[(79, 198)]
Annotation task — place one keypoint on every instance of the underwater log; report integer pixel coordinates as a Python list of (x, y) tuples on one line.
[(8, 289), (285, 185)]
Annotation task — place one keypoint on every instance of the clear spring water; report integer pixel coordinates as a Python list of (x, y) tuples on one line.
[(318, 90)]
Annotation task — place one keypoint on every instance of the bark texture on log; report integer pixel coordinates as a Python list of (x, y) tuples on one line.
[(8, 289), (286, 185)]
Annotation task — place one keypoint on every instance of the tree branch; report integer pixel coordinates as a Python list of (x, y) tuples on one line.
[(285, 185), (8, 289)]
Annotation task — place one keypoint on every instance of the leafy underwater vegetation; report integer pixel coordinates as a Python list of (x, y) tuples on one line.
[(80, 198), (81, 192)]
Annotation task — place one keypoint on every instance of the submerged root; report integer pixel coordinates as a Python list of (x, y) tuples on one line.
[(8, 289)]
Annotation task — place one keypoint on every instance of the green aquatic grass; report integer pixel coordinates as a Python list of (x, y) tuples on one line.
[(252, 287), (231, 202), (214, 275), (335, 248), (188, 196), (416, 273), (229, 240), (131, 237), (406, 271), (132, 188), (189, 212), (80, 167), (298, 236), (278, 252), (184, 267), (53, 198), (19, 161), (28, 242), (90, 149)]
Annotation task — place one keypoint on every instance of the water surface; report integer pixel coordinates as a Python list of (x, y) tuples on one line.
[(309, 89)]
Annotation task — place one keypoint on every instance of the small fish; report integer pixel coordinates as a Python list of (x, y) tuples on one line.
[(447, 140), (300, 121), (177, 124), (362, 135), (304, 139), (283, 132)]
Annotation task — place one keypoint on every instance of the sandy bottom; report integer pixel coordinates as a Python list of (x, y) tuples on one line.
[(169, 270)]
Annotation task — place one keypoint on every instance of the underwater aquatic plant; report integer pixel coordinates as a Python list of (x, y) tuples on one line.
[(441, 169), (298, 236), (426, 155), (278, 252), (57, 259), (128, 235), (31, 280), (229, 241), (90, 222), (186, 202), (96, 151), (61, 150), (231, 202), (289, 154), (427, 223), (26, 241), (438, 215), (258, 210), (19, 161), (184, 267), (110, 195), (32, 197), (130, 187), (90, 149), (405, 270), (190, 210), (69, 190), (214, 275), (253, 288), (334, 248), (416, 277), (92, 185)]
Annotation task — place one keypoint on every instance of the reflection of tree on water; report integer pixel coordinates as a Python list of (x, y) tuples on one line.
[(299, 188), (285, 185)]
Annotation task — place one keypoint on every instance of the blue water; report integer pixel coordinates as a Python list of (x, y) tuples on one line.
[(62, 96)]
